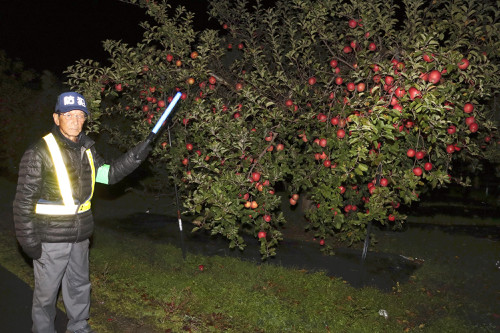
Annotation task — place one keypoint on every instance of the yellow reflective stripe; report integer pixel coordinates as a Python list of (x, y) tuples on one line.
[(50, 209), (69, 207), (61, 172), (92, 167), (84, 207)]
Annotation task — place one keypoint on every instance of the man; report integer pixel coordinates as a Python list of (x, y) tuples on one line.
[(52, 215)]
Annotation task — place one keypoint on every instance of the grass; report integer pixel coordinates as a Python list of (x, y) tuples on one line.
[(141, 284)]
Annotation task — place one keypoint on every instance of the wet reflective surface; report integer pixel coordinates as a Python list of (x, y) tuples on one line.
[(381, 270)]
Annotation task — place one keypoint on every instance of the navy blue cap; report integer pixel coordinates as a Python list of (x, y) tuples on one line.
[(69, 101)]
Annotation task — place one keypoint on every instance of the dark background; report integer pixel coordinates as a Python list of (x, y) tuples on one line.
[(52, 35)]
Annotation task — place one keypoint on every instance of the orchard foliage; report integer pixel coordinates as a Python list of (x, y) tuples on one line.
[(26, 103), (355, 105)]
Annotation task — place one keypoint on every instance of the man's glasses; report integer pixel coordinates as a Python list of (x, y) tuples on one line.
[(68, 116)]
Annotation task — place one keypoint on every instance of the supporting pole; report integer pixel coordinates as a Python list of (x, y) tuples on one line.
[(183, 247), (367, 242), (368, 231)]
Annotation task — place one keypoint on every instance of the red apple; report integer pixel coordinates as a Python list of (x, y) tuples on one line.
[(261, 234), (427, 58), (428, 166), (255, 176), (372, 47), (417, 171), (334, 121), (352, 24), (384, 182), (450, 149), (398, 107), (391, 218), (322, 142), (338, 80), (463, 64), (322, 117), (434, 76), (414, 93), (311, 81), (410, 152), (420, 155), (340, 133), (189, 146), (469, 120), (473, 127), (399, 92), (468, 107), (267, 218), (351, 86), (333, 63), (452, 129)]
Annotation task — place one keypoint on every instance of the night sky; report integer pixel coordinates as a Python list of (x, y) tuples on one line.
[(54, 34)]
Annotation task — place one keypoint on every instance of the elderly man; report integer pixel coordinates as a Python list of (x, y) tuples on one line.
[(52, 215)]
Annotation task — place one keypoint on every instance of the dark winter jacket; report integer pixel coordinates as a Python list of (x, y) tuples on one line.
[(38, 180)]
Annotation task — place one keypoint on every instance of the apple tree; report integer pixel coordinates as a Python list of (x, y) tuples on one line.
[(356, 105)]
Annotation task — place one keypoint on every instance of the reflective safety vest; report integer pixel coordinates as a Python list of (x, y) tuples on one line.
[(68, 206)]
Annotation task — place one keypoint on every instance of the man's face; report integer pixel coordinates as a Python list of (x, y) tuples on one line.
[(70, 123)]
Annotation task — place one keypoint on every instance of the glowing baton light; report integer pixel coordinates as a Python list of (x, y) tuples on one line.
[(167, 112), (164, 116)]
